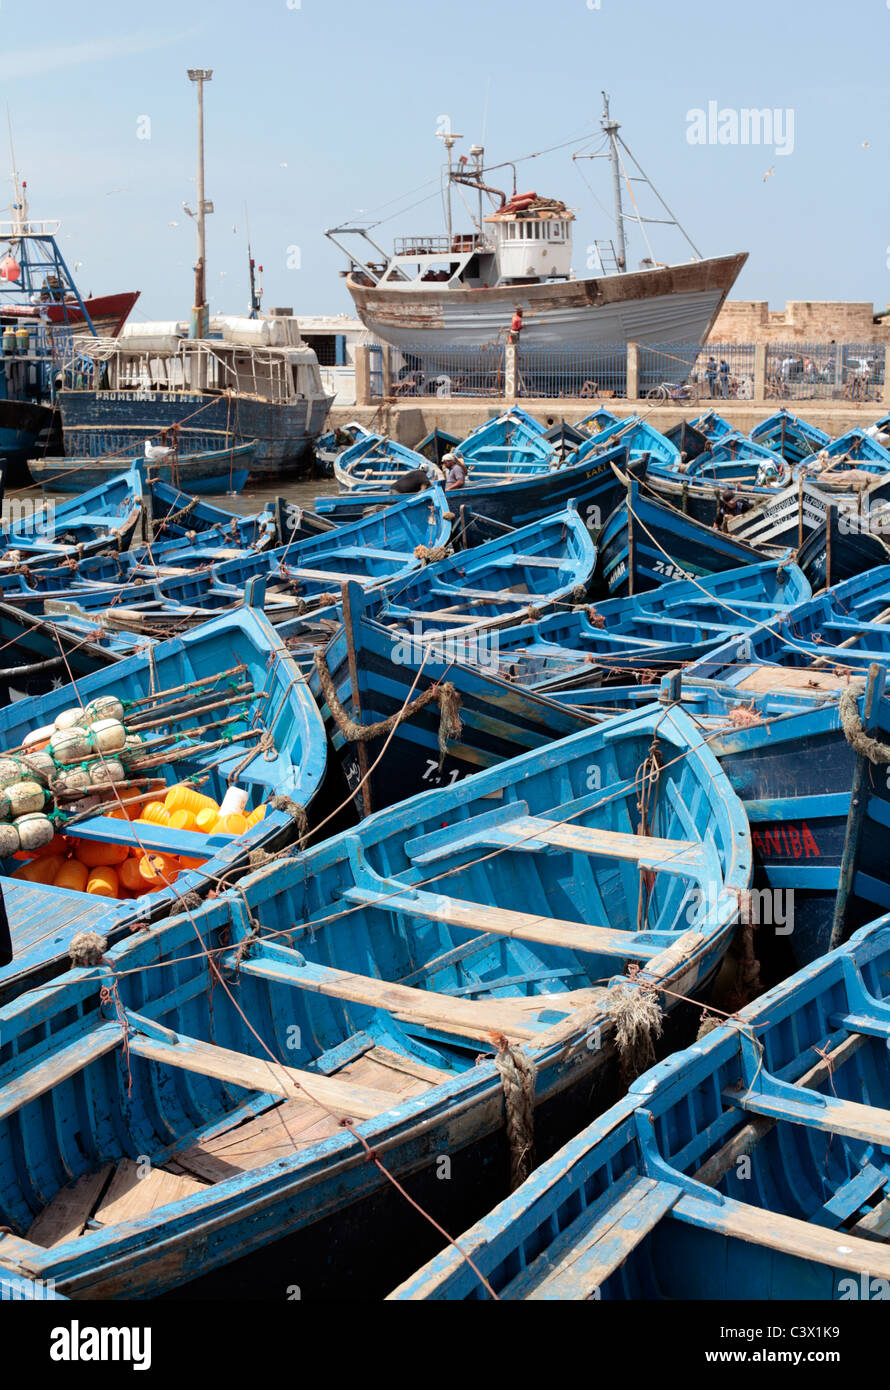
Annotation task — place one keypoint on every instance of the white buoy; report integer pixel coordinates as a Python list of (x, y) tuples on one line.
[(233, 802), (34, 830), (38, 735), (103, 707), (24, 797)]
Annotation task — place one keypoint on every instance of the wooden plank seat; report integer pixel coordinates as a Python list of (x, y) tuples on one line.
[(580, 1263), (826, 1113), (255, 1073), (537, 833), (458, 1016), (773, 1230), (501, 921)]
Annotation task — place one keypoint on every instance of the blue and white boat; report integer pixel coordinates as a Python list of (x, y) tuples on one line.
[(271, 743), (752, 1165), (367, 997)]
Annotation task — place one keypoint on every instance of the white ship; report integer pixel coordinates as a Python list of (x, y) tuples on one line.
[(458, 291)]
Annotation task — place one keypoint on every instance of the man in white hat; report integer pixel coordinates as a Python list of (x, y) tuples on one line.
[(456, 471)]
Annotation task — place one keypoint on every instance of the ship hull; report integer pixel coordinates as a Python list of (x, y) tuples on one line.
[(667, 305), (284, 433), (108, 313)]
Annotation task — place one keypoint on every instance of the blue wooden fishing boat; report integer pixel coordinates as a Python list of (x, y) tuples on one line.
[(101, 518), (332, 443), (374, 462), (198, 465), (589, 647), (405, 715), (545, 564), (752, 1165), (734, 459), (510, 443), (297, 523), (646, 542), (180, 514), (358, 1009), (842, 547), (640, 438), (856, 449), (811, 648), (596, 420), (591, 480), (712, 425), (223, 704), (794, 439)]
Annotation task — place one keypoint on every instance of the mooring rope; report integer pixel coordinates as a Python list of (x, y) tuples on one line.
[(854, 730), (445, 693), (517, 1073)]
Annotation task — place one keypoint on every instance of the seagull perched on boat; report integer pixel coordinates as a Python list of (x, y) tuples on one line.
[(155, 452)]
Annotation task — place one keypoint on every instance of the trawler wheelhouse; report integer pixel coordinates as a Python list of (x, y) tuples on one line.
[(160, 358)]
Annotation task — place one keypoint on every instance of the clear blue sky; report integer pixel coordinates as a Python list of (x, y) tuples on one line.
[(320, 109)]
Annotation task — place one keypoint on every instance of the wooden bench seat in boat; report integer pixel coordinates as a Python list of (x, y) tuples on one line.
[(525, 926), (510, 827), (596, 1243), (243, 1141), (464, 1018)]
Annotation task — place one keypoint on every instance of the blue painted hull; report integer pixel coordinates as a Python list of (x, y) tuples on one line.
[(373, 983), (284, 433), (43, 919), (715, 1178), (643, 547)]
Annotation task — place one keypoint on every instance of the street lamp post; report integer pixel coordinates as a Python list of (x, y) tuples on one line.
[(200, 311)]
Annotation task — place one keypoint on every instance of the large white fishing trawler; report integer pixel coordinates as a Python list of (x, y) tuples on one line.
[(458, 291)]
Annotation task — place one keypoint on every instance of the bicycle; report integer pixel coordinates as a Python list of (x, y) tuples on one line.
[(673, 392)]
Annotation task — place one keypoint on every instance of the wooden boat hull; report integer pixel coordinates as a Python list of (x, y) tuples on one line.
[(191, 1078), (103, 519), (43, 918), (284, 434), (670, 304), (644, 543), (753, 1198)]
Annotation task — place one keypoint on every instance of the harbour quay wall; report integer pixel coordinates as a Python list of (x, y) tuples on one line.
[(407, 422), (406, 393)]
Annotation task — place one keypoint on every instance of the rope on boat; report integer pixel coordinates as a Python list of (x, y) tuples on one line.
[(854, 730), (296, 812), (450, 727), (266, 746), (429, 554), (639, 1022), (87, 948), (517, 1073), (172, 518)]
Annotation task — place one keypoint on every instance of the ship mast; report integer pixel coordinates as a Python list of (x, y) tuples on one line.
[(200, 325), (19, 206), (449, 140), (611, 129)]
